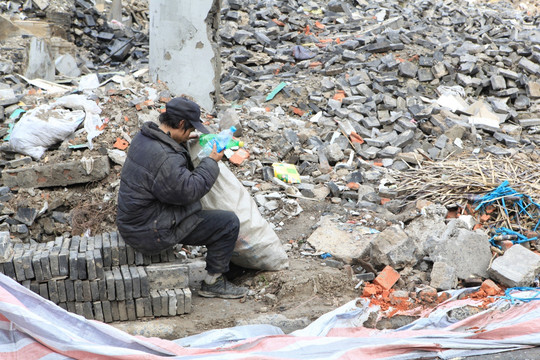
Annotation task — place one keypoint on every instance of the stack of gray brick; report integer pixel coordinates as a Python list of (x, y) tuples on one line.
[(99, 277)]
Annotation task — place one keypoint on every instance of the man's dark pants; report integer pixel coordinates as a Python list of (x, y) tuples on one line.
[(219, 232)]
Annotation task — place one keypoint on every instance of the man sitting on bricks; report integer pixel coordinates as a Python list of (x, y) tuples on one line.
[(160, 191)]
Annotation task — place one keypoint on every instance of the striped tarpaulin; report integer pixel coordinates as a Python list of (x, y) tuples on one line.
[(35, 328)]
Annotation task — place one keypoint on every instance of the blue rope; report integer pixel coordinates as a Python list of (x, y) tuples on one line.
[(508, 294)]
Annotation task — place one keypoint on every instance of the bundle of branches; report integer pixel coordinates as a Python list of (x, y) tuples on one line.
[(463, 179)]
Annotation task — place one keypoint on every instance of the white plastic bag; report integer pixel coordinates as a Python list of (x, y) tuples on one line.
[(43, 127), (258, 246)]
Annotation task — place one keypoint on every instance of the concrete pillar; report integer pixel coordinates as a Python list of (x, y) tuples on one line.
[(182, 53)]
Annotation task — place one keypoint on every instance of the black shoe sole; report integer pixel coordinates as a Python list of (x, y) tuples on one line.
[(208, 294)]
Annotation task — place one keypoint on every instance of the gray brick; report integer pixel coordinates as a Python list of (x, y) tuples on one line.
[(62, 295), (172, 302), (139, 307), (53, 257), (73, 265), (44, 290), (70, 289), (156, 303), (119, 284), (155, 259), (147, 259), (130, 255), (145, 286), (187, 300), (98, 242), (106, 251), (94, 290), (18, 251), (34, 286), (109, 279), (87, 293), (131, 313), (26, 284), (180, 303), (136, 280), (107, 311), (63, 305), (71, 307), (53, 291), (9, 269), (98, 261), (90, 243), (63, 262), (27, 263), (128, 283), (115, 311), (79, 308), (102, 284), (74, 244), (147, 301), (78, 285), (87, 310), (81, 266), (115, 257), (45, 265), (122, 310), (167, 276), (164, 302), (82, 244), (139, 258), (98, 311), (90, 265), (122, 254)]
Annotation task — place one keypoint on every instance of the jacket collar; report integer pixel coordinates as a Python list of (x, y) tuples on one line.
[(152, 130)]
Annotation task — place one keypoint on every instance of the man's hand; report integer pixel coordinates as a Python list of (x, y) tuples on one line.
[(216, 155)]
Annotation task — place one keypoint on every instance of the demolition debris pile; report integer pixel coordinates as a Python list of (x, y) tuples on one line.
[(378, 104)]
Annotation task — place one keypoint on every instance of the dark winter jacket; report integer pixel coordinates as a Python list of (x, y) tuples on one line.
[(160, 191)]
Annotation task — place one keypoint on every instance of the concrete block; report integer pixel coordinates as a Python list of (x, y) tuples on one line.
[(122, 254), (44, 290), (164, 296), (102, 285), (147, 301), (115, 312), (45, 265), (81, 266), (27, 263), (9, 269), (63, 262), (98, 262), (187, 300), (139, 307), (145, 286), (71, 307), (79, 309), (56, 174), (167, 276), (518, 267), (115, 257), (180, 303), (73, 265), (18, 262)]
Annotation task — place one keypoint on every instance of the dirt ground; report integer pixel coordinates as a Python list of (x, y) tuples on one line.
[(301, 294)]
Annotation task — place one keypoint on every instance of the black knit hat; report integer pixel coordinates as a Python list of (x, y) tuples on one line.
[(186, 110)]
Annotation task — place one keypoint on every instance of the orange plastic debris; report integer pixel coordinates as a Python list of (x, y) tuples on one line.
[(319, 25), (278, 23), (297, 111), (384, 200), (355, 138), (121, 144)]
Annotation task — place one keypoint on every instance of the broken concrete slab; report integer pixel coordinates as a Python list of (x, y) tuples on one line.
[(518, 267), (339, 239), (393, 247)]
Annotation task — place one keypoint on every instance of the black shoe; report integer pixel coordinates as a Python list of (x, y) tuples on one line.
[(223, 289)]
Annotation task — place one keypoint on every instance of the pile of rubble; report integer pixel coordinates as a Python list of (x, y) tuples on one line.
[(350, 92)]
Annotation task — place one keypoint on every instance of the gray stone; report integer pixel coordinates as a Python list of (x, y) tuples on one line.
[(518, 267), (393, 247), (443, 276), (167, 276)]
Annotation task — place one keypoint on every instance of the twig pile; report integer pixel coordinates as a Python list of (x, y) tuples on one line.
[(460, 180)]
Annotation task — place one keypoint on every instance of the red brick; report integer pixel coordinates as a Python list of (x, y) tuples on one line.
[(490, 288), (387, 278), (369, 290), (239, 157)]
